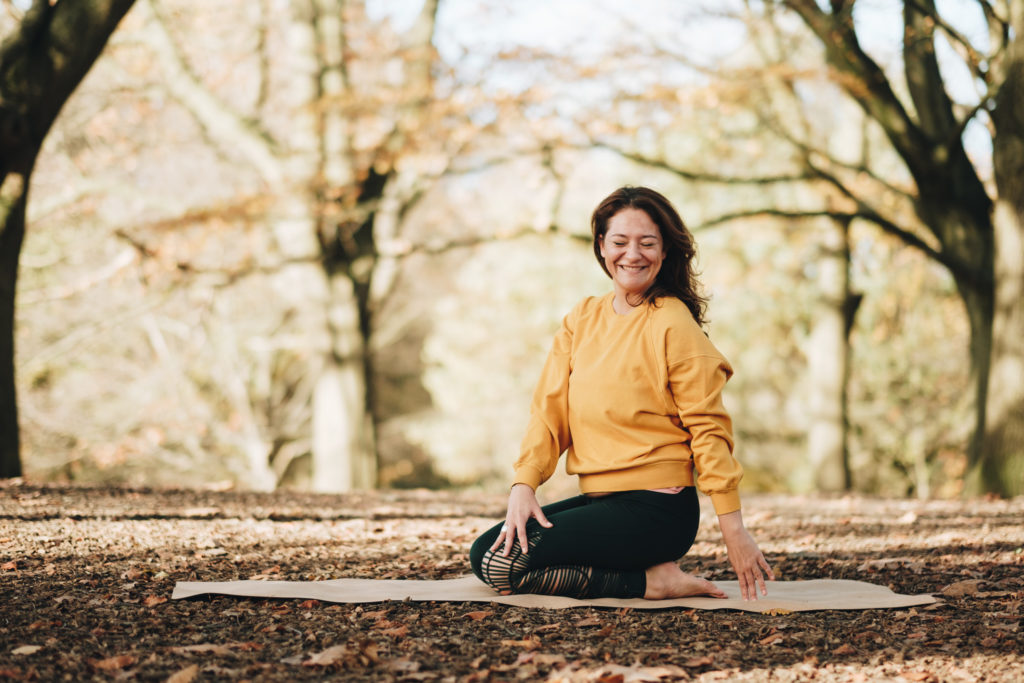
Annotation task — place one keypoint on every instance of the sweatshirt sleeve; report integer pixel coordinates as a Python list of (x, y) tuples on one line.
[(697, 374), (547, 434)]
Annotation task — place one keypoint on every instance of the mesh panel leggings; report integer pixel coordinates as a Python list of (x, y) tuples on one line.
[(597, 548)]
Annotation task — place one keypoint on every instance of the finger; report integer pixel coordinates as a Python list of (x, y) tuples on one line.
[(759, 580), (497, 541), (539, 516), (521, 532), (509, 536), (767, 568)]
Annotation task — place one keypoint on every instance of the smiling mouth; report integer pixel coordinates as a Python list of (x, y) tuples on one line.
[(633, 269)]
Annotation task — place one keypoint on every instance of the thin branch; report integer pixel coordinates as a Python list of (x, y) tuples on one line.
[(863, 79), (699, 176), (808, 151), (969, 53), (12, 10), (921, 67), (721, 220), (887, 226), (227, 127)]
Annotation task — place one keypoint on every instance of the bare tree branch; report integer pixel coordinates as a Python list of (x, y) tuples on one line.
[(12, 11), (921, 67), (700, 176), (974, 59), (226, 126), (809, 151), (862, 78), (887, 226)]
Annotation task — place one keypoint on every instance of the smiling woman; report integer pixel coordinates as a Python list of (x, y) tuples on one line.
[(631, 391)]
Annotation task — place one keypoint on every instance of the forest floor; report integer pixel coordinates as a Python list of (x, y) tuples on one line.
[(86, 576)]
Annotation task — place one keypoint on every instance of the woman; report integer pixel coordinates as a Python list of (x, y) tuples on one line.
[(632, 390)]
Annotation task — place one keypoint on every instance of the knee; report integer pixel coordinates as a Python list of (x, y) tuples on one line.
[(476, 555)]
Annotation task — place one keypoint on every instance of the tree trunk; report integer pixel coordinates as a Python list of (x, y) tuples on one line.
[(13, 198), (1000, 467), (344, 453), (827, 366), (41, 64)]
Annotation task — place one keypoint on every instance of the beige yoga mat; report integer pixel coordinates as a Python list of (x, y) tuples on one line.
[(792, 596)]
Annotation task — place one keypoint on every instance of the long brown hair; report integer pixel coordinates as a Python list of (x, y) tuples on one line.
[(676, 277)]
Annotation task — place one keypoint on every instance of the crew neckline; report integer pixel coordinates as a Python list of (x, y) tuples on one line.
[(611, 307)]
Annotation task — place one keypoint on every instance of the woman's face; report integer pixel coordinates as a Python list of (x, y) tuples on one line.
[(632, 250)]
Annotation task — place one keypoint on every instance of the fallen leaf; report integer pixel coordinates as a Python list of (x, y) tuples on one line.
[(918, 676), (309, 604), (844, 649), (890, 563), (777, 611), (398, 632), (378, 614), (962, 588), (9, 566), (403, 665), (587, 621), (154, 600), (186, 675), (478, 616), (543, 658), (772, 639), (526, 643), (698, 661), (616, 673), (112, 663), (203, 648), (26, 650), (329, 656)]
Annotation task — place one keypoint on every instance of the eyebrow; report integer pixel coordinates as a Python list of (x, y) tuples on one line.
[(643, 237)]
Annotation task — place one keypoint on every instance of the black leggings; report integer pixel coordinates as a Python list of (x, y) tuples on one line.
[(597, 548)]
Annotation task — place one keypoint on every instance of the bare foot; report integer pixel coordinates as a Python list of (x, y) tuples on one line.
[(667, 580)]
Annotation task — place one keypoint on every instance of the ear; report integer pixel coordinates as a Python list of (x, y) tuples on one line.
[(600, 245)]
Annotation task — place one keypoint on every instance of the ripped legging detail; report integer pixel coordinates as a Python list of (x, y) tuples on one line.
[(513, 574)]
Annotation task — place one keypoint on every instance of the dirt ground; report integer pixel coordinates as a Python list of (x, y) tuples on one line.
[(86, 576)]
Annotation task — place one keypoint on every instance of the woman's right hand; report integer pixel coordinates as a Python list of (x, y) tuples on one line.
[(522, 505)]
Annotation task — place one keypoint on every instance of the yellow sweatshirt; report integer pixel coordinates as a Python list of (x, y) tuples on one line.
[(637, 401)]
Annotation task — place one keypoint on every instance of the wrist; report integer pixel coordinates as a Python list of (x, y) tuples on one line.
[(730, 523)]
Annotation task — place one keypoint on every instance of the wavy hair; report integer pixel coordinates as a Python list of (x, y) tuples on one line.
[(676, 277)]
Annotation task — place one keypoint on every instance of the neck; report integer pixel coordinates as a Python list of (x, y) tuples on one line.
[(622, 302)]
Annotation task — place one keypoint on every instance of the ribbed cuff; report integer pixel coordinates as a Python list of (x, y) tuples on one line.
[(529, 475), (726, 502)]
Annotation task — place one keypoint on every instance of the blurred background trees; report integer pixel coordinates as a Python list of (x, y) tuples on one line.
[(325, 244)]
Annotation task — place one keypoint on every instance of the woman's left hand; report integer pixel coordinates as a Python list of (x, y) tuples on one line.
[(747, 560)]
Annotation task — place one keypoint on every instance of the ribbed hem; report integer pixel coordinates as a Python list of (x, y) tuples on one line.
[(649, 476)]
